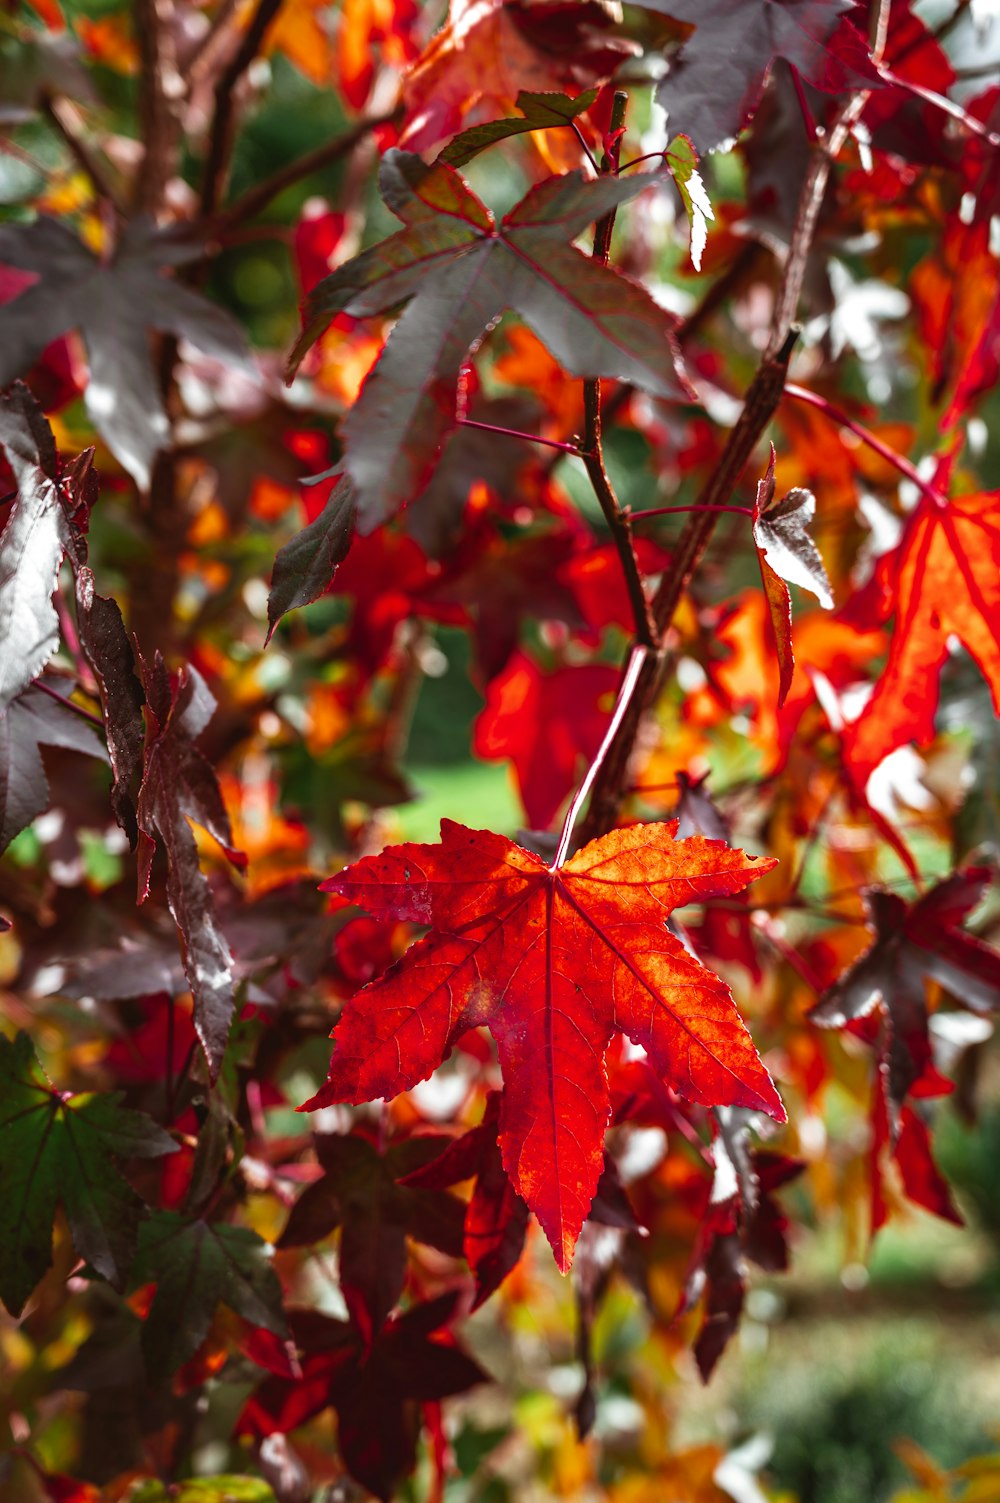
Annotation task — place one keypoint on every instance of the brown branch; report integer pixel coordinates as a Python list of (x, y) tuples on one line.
[(592, 452), (250, 204), (205, 56), (220, 140), (57, 114), (159, 84)]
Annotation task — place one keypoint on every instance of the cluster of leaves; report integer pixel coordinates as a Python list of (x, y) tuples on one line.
[(513, 491)]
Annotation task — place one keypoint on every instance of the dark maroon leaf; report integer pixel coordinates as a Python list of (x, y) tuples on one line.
[(178, 784), (305, 567), (915, 943), (436, 518), (538, 112), (374, 1393), (360, 1194), (114, 303), (715, 82), (31, 721), (109, 651), (36, 536), (458, 270), (743, 1222), (496, 1219)]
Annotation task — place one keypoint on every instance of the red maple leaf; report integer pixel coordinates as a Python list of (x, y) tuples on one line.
[(943, 578), (554, 961)]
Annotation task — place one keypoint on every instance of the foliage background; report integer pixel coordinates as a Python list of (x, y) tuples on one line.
[(360, 725)]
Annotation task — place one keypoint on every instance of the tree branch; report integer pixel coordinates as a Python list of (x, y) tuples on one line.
[(220, 140), (159, 86), (56, 112), (250, 204), (759, 406)]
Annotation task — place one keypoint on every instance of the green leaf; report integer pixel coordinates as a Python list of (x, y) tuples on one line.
[(60, 1149), (458, 270), (538, 112), (682, 162), (226, 1488), (196, 1266)]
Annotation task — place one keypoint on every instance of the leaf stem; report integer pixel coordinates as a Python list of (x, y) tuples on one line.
[(583, 142), (592, 452), (944, 104), (635, 162), (68, 703), (636, 663), (662, 511), (529, 438), (890, 455)]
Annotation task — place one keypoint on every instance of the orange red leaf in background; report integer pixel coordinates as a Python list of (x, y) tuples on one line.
[(491, 50), (942, 579)]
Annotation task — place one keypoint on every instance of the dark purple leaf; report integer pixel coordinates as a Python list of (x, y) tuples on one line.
[(715, 82), (360, 1193), (459, 270), (178, 784), (109, 651), (114, 303), (34, 720), (305, 567)]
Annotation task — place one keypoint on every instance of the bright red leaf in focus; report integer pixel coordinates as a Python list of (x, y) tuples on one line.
[(554, 962)]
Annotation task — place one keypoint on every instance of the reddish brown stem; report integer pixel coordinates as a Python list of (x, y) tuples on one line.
[(154, 32), (663, 511), (68, 703), (890, 455), (945, 105), (529, 438)]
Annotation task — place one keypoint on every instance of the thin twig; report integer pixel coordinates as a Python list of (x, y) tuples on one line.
[(583, 142), (250, 204), (592, 451), (636, 662), (759, 406), (68, 703), (220, 140), (945, 105), (203, 59), (528, 438), (890, 455), (56, 113), (663, 511)]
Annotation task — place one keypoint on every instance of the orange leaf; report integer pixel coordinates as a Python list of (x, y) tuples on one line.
[(943, 578)]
